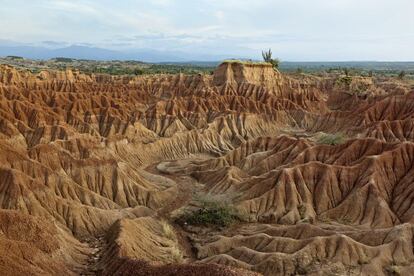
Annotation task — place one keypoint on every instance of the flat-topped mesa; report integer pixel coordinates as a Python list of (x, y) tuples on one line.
[(238, 72)]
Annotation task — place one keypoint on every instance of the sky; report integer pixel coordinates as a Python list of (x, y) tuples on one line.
[(296, 30)]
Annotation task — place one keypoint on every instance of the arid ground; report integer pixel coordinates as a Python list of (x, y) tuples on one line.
[(244, 172)]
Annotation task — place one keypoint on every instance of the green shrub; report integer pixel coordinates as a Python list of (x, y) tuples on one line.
[(267, 57), (63, 59), (346, 72), (15, 57), (138, 71), (219, 216), (214, 211), (344, 81), (331, 139), (401, 75)]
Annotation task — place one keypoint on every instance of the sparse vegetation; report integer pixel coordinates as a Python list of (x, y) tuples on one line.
[(138, 71), (324, 219), (214, 211), (401, 75), (301, 270), (302, 211), (168, 230), (133, 67), (247, 62), (267, 57), (363, 259), (14, 58), (176, 254), (346, 72), (113, 67), (393, 270), (63, 59), (331, 139), (344, 220), (344, 81), (366, 69), (213, 215)]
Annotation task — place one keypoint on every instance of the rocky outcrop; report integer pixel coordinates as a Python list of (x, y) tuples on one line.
[(237, 73)]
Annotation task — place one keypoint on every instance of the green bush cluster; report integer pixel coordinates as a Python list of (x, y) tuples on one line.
[(331, 139), (219, 216), (63, 59), (149, 70), (344, 80), (15, 57), (214, 211)]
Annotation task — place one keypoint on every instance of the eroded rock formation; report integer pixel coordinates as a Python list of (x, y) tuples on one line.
[(91, 164)]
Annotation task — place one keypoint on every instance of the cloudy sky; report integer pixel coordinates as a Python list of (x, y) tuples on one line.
[(296, 30)]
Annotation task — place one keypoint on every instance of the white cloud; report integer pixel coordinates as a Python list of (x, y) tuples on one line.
[(70, 6), (219, 15)]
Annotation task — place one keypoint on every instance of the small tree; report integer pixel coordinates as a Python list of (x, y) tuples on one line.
[(138, 71), (267, 57), (346, 71), (401, 75)]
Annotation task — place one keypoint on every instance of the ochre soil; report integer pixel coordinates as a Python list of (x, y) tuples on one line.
[(94, 169)]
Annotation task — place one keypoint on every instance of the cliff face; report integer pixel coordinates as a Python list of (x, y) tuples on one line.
[(89, 164)]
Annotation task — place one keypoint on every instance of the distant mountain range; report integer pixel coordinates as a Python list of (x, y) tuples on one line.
[(42, 51), (95, 53)]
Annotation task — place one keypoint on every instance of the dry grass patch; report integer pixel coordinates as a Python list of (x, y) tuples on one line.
[(393, 270), (247, 62), (175, 253), (168, 231)]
